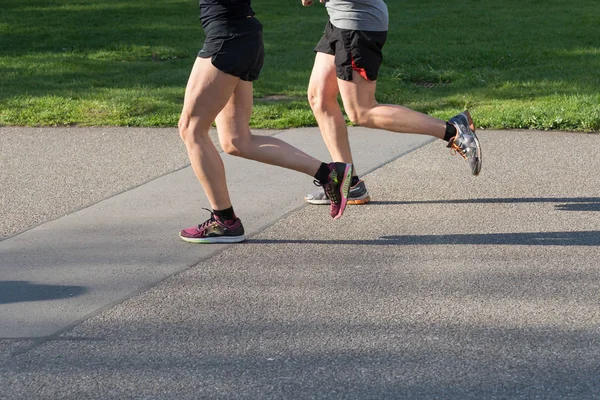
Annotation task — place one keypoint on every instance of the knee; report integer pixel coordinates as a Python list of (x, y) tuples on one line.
[(316, 99), (185, 132), (193, 131), (313, 97), (235, 147), (358, 116)]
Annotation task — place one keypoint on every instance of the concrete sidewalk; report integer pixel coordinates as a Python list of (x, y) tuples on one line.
[(445, 286)]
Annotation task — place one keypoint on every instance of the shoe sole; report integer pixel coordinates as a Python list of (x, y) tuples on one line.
[(472, 126), (346, 185), (356, 202), (478, 165), (219, 239), (351, 201)]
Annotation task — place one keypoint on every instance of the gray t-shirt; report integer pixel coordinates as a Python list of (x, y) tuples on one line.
[(358, 15)]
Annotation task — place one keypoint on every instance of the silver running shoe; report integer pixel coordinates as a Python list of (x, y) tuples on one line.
[(358, 195), (465, 142)]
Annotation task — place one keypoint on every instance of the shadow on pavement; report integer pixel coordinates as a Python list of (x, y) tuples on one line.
[(327, 360), (23, 291), (570, 203), (576, 238)]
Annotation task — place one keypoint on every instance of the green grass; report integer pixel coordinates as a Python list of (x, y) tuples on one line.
[(514, 64)]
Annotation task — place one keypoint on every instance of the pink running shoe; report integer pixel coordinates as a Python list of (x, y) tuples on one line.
[(215, 230), (338, 187)]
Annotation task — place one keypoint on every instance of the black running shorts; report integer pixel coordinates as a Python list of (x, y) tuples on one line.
[(360, 51), (235, 47)]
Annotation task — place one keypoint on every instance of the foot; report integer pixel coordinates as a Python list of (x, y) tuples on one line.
[(465, 142), (338, 187), (358, 195), (215, 230)]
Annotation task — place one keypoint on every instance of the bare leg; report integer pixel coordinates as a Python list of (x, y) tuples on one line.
[(207, 92), (359, 101), (322, 95), (236, 139)]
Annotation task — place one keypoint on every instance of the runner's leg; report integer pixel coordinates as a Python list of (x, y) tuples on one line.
[(236, 139), (358, 96), (207, 92)]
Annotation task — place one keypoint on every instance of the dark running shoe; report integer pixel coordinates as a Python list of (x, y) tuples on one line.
[(215, 230), (465, 142), (358, 195), (338, 187)]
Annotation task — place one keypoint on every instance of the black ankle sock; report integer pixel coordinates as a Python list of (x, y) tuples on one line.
[(450, 132), (226, 214), (355, 180), (322, 174)]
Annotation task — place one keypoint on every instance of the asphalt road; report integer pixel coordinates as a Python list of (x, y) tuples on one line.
[(445, 286)]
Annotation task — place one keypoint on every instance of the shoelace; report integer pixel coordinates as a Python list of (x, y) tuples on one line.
[(331, 194), (203, 226), (454, 148)]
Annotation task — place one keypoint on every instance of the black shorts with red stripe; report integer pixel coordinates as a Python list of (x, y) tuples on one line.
[(359, 51)]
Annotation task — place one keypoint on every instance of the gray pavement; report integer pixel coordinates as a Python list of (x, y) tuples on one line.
[(50, 172), (445, 286)]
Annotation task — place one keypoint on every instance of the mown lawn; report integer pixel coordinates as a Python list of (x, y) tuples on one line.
[(514, 64)]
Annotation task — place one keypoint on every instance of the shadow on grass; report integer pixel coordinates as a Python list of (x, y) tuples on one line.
[(87, 50), (87, 26), (56, 27)]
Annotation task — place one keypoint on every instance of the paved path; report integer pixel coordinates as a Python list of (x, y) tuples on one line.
[(445, 286)]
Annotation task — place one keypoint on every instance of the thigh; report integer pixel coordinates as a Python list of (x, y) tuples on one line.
[(207, 92), (358, 93), (323, 81), (233, 122)]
